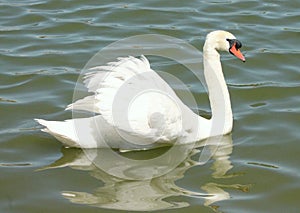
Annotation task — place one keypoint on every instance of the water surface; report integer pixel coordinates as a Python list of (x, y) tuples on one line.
[(44, 46)]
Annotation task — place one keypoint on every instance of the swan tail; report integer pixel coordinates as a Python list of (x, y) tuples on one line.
[(61, 130)]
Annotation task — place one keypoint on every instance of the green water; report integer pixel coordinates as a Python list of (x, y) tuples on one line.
[(44, 46)]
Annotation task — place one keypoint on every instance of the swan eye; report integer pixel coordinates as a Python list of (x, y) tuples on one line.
[(234, 42)]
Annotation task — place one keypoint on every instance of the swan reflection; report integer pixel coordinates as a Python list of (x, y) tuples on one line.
[(152, 193)]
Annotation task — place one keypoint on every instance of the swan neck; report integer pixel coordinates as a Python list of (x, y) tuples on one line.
[(219, 97)]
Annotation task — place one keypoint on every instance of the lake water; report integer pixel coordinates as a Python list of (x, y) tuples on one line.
[(46, 43)]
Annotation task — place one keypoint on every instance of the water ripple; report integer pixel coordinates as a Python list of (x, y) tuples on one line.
[(46, 43)]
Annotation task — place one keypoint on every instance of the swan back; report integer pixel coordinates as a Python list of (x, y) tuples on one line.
[(135, 100)]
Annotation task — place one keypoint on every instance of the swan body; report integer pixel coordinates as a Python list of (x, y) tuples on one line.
[(136, 109)]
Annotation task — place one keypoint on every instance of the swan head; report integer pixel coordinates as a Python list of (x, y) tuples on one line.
[(224, 41)]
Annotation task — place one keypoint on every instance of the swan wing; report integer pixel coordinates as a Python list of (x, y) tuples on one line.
[(134, 99)]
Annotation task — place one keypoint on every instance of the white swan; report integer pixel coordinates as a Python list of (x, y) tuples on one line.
[(135, 108)]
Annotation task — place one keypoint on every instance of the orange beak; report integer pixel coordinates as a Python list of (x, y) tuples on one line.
[(233, 50)]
